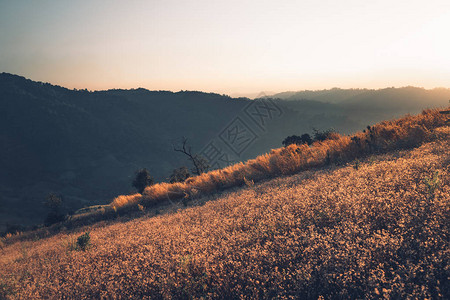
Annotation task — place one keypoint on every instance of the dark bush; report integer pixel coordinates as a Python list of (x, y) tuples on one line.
[(53, 202), (142, 180), (179, 175), (298, 140), (53, 217), (322, 135)]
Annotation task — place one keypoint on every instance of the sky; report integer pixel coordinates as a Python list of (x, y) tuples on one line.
[(230, 47)]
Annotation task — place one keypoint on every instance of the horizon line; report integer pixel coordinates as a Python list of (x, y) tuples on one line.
[(231, 95)]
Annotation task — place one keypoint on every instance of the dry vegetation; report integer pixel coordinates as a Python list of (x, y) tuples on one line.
[(406, 132), (378, 227)]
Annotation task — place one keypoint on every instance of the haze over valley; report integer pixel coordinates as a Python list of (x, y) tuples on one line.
[(87, 145)]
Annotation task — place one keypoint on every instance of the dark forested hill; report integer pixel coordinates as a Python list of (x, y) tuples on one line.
[(87, 145)]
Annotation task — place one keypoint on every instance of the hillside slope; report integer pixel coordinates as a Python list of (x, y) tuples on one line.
[(370, 229), (86, 145)]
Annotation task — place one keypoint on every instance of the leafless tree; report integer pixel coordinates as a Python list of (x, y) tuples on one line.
[(199, 162)]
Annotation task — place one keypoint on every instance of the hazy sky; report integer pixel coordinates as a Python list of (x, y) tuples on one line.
[(227, 46)]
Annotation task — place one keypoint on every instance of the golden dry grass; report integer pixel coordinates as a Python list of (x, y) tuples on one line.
[(380, 230), (409, 131)]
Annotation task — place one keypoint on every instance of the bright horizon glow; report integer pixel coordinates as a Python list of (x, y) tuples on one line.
[(231, 47)]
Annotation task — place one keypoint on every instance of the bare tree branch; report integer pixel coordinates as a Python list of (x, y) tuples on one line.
[(186, 149)]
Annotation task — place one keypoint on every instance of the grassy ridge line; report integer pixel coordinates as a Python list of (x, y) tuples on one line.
[(405, 132), (379, 231)]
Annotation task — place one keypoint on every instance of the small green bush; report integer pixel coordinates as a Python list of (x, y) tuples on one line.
[(432, 183), (84, 241)]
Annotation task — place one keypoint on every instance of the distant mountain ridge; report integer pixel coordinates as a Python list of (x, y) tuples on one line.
[(347, 96), (87, 145), (334, 95)]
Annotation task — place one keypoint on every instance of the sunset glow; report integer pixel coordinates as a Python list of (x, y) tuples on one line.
[(227, 46)]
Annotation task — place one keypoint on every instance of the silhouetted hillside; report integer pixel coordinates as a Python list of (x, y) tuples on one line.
[(365, 106), (334, 95), (388, 98), (87, 145)]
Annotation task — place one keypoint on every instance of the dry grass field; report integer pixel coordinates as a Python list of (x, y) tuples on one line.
[(373, 228)]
